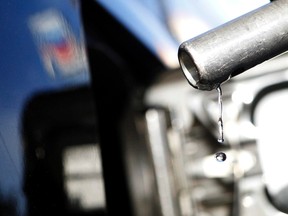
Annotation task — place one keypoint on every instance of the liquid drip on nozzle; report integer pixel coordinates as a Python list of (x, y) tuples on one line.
[(220, 156), (220, 119)]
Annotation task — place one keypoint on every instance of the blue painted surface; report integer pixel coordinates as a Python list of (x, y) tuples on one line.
[(23, 75)]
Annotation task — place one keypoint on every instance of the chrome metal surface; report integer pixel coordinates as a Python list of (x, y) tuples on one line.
[(230, 49), (158, 143)]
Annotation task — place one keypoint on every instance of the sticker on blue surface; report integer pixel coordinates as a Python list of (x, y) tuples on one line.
[(61, 52)]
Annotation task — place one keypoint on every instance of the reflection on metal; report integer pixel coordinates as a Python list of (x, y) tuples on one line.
[(83, 176), (157, 135)]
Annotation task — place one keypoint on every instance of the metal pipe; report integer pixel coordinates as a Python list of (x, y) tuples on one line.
[(236, 46)]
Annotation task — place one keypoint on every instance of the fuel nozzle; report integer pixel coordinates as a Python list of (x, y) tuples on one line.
[(236, 46)]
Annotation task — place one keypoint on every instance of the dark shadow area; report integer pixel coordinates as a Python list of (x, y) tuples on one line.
[(7, 206), (61, 145)]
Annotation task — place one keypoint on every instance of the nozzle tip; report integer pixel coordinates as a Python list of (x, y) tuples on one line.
[(188, 67)]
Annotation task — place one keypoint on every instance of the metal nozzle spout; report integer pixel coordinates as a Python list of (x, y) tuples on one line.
[(232, 48), (189, 68)]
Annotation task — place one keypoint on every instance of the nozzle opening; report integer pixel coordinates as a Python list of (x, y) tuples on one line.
[(189, 68)]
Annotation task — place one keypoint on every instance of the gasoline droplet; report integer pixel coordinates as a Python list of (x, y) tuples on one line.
[(220, 120), (220, 156)]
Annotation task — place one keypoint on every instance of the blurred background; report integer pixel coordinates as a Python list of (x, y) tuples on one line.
[(98, 119)]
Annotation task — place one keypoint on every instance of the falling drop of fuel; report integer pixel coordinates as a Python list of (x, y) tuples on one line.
[(220, 120), (220, 156)]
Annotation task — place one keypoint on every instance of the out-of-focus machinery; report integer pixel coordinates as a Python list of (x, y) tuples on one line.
[(254, 103)]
